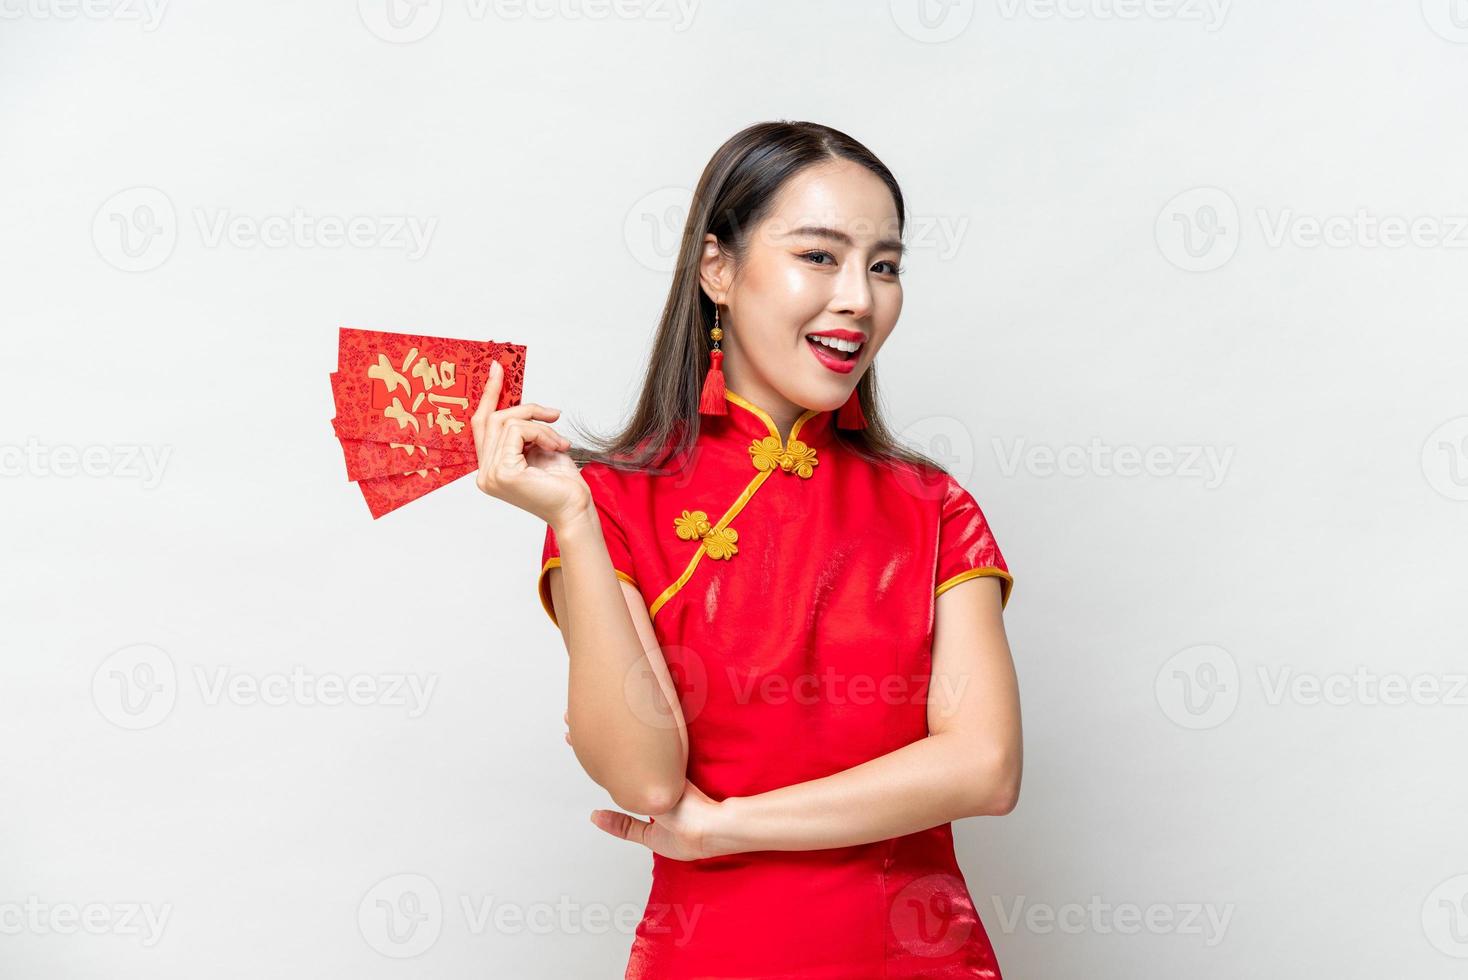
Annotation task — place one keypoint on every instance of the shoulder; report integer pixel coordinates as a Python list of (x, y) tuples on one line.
[(611, 480), (928, 486), (622, 493)]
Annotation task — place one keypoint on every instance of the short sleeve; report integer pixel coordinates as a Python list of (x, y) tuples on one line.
[(966, 545), (611, 529)]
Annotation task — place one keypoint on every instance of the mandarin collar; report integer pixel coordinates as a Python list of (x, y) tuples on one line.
[(748, 422)]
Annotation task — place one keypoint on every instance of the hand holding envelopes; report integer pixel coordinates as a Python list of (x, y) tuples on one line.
[(403, 403)]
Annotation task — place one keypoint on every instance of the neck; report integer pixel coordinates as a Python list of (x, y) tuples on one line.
[(781, 410)]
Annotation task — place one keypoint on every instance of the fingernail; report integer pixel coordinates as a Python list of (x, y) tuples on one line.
[(495, 368)]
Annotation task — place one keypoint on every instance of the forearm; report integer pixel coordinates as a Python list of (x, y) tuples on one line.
[(932, 781), (625, 732)]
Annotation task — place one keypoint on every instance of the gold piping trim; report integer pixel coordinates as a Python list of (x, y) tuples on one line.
[(739, 502), (543, 586), (1006, 584), (743, 402)]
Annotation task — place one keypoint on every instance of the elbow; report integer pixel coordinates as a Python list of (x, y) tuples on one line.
[(648, 797), (996, 785)]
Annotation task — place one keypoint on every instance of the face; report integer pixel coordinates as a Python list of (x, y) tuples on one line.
[(823, 263)]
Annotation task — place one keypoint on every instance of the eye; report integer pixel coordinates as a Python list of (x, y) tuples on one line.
[(807, 255), (892, 268)]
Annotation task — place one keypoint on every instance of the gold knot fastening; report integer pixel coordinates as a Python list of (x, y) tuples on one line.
[(718, 542), (797, 457)]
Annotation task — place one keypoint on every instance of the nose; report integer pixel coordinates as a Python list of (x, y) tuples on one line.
[(853, 292)]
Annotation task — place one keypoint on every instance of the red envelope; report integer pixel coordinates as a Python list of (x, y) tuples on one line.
[(412, 388), (388, 493), (403, 405), (366, 459)]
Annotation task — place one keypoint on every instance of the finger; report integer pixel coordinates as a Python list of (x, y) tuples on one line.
[(622, 825), (488, 399), (491, 395), (529, 410), (489, 428), (535, 434)]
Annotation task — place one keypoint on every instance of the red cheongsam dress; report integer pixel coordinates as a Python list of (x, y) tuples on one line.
[(792, 585)]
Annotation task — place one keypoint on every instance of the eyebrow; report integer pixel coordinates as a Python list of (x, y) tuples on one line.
[(818, 231)]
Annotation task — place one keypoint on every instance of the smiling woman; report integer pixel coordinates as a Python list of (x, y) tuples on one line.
[(785, 629)]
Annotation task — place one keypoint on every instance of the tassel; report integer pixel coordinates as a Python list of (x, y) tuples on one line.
[(850, 415), (711, 401)]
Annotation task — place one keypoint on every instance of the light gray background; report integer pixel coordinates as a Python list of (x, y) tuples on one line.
[(1112, 210)]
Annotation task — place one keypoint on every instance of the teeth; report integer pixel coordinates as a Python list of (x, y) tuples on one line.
[(849, 346)]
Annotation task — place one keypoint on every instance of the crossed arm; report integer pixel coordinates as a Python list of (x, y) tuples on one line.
[(969, 765)]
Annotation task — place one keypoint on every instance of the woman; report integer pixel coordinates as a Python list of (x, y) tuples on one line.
[(785, 630)]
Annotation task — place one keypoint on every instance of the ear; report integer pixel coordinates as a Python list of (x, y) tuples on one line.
[(715, 270)]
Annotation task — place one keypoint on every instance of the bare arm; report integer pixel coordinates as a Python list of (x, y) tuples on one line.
[(969, 765), (629, 733), (621, 701)]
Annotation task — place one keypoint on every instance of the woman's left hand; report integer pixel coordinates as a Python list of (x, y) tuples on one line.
[(687, 832)]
